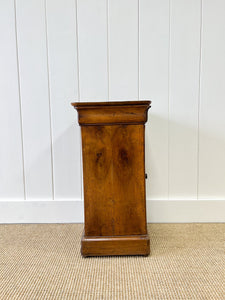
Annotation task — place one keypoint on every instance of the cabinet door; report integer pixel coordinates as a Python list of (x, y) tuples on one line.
[(114, 180)]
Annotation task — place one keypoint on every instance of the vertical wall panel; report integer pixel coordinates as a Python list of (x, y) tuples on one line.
[(212, 103), (117, 50), (154, 49), (184, 96), (63, 70), (11, 165), (34, 97), (92, 47), (123, 49)]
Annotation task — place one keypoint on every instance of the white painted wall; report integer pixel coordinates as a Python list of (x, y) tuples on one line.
[(53, 52)]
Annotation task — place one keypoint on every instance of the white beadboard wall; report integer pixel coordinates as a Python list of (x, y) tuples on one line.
[(53, 52)]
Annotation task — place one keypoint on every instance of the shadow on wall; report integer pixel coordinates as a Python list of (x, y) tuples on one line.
[(67, 163)]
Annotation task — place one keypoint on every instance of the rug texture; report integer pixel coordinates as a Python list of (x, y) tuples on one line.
[(43, 261)]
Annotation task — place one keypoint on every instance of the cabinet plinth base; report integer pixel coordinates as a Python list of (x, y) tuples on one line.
[(115, 245)]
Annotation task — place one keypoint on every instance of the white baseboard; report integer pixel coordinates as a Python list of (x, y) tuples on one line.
[(158, 211), (186, 211), (51, 211)]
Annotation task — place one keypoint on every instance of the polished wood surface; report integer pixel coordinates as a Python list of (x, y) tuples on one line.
[(115, 245), (114, 177), (129, 112)]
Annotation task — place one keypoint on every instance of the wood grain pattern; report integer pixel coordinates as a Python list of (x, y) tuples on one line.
[(113, 164), (114, 177)]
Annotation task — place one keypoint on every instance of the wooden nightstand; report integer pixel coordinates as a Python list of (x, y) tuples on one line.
[(113, 149)]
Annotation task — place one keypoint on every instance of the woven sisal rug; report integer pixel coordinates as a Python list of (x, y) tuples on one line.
[(43, 261)]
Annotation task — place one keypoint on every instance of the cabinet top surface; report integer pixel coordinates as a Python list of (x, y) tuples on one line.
[(110, 103)]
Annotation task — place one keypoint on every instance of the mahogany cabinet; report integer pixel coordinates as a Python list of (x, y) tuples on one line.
[(113, 150)]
